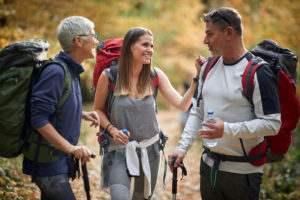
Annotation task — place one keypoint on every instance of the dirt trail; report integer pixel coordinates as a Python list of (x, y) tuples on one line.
[(188, 188)]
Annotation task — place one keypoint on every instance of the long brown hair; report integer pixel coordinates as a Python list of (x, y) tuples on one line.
[(144, 85)]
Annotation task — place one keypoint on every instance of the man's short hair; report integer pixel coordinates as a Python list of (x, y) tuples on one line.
[(71, 27), (224, 17)]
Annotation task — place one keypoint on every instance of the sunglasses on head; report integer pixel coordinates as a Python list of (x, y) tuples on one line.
[(218, 14)]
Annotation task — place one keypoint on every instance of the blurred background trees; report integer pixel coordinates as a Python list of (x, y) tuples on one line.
[(178, 39), (176, 25)]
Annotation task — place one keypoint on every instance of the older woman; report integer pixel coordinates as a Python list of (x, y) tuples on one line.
[(78, 39)]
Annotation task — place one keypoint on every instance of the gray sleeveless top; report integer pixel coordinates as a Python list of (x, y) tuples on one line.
[(138, 116)]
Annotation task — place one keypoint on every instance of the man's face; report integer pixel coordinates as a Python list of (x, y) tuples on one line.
[(214, 39)]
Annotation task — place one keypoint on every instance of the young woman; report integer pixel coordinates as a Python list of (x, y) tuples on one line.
[(134, 109)]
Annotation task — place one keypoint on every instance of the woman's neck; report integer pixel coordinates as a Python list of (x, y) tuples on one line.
[(136, 70)]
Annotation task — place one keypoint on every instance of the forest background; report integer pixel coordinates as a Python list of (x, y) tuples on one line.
[(178, 39)]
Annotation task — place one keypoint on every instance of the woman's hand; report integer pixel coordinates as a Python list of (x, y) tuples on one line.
[(120, 137), (200, 60)]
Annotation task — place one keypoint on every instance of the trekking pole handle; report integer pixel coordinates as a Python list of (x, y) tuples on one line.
[(174, 179), (93, 155)]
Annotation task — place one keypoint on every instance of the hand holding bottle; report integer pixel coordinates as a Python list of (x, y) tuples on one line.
[(121, 136), (212, 128)]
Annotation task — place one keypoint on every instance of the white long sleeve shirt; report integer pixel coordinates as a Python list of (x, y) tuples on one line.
[(222, 92)]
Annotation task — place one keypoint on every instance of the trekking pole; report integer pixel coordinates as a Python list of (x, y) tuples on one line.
[(174, 179), (86, 181), (85, 177)]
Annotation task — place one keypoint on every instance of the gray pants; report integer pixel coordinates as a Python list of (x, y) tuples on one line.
[(120, 181), (228, 186), (55, 187)]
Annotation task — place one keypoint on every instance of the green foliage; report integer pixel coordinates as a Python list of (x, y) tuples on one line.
[(281, 181), (13, 184)]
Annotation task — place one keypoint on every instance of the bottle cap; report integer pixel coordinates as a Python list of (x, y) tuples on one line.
[(210, 112), (125, 131)]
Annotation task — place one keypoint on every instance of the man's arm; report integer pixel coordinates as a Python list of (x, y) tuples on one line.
[(267, 119), (189, 134)]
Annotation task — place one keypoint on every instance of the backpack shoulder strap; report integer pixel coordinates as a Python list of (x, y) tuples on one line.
[(209, 65), (66, 85), (248, 77), (112, 73), (155, 82), (66, 89), (67, 81)]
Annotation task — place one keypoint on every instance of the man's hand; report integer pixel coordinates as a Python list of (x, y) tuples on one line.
[(215, 130), (176, 154), (91, 116)]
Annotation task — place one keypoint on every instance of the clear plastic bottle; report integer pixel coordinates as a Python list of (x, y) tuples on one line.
[(210, 116)]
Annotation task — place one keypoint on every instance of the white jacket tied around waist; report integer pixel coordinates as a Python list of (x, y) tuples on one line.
[(132, 161)]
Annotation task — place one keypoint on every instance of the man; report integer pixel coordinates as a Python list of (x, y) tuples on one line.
[(78, 39), (235, 117)]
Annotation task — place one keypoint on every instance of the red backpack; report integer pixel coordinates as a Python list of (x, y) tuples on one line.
[(108, 54), (273, 148)]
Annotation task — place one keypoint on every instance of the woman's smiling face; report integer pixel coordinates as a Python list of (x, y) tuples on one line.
[(142, 50)]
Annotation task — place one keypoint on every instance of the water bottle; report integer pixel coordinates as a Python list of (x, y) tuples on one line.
[(120, 153), (210, 116)]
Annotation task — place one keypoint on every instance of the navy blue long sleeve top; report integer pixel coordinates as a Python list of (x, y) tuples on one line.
[(46, 94)]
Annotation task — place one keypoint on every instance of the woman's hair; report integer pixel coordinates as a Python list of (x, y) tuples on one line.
[(71, 27), (224, 17), (144, 85)]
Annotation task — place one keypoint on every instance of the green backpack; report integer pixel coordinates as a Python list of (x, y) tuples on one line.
[(21, 64)]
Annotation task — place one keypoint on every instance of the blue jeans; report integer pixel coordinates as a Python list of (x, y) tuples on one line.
[(55, 187)]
